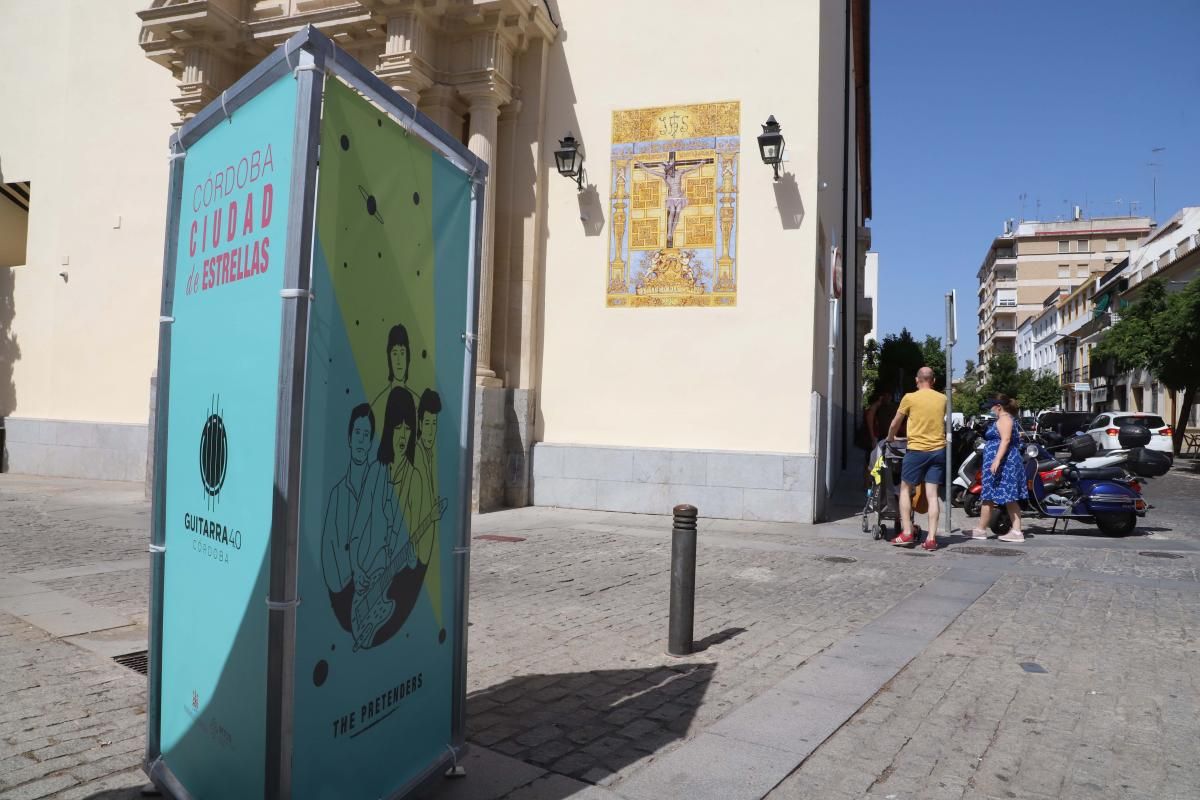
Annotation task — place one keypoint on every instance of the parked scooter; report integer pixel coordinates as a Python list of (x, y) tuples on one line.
[(1110, 458), (966, 456), (1108, 497)]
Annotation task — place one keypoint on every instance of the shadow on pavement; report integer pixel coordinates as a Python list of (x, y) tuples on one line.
[(714, 639), (589, 725)]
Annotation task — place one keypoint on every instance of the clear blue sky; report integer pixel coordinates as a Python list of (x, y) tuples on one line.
[(975, 103)]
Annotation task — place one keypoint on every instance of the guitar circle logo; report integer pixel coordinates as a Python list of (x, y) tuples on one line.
[(214, 452)]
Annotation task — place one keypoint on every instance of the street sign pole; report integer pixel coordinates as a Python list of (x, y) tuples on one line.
[(951, 339)]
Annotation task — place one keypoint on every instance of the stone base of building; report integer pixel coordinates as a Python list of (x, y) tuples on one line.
[(69, 449), (503, 437), (774, 487)]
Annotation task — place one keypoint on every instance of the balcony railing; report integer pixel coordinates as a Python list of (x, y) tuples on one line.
[(1104, 368), (1094, 325), (1070, 377)]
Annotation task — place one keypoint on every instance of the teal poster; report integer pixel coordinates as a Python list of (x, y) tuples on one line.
[(382, 457), (220, 457)]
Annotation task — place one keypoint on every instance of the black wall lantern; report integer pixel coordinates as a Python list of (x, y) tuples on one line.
[(770, 144), (570, 160)]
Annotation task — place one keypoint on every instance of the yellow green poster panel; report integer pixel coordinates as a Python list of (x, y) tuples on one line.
[(382, 457)]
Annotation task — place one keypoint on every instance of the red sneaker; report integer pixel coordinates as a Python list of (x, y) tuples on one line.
[(905, 539), (930, 543)]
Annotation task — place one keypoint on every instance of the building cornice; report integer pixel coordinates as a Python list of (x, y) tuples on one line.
[(413, 44)]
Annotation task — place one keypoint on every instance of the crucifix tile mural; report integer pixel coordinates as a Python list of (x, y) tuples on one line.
[(673, 239)]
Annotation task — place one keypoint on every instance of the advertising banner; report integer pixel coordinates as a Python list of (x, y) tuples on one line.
[(220, 446), (310, 522), (382, 458)]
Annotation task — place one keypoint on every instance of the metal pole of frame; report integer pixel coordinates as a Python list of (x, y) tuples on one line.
[(951, 338)]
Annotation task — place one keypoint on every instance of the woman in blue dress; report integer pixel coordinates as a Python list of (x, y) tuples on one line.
[(1003, 470)]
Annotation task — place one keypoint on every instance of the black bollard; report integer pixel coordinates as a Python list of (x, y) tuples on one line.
[(683, 581)]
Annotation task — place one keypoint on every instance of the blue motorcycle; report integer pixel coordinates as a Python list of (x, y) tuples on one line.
[(1108, 497)]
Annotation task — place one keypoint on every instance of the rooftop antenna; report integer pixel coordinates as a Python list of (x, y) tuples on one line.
[(1133, 206), (1023, 196), (1154, 176)]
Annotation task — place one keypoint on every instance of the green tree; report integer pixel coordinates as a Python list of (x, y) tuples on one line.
[(1003, 377), (1037, 392), (934, 357), (1160, 333), (967, 394), (870, 370), (900, 357)]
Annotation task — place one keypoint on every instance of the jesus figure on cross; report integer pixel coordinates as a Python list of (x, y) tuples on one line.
[(672, 175)]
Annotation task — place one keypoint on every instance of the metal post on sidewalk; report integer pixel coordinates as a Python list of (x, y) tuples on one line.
[(951, 339), (683, 581)]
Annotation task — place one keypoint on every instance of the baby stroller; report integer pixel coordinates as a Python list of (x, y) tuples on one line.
[(883, 490)]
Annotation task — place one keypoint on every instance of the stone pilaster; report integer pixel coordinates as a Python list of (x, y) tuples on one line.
[(484, 108)]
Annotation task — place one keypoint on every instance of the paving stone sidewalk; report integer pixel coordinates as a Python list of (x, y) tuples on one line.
[(569, 687)]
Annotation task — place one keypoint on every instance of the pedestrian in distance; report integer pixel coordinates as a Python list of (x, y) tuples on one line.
[(925, 458), (1003, 480)]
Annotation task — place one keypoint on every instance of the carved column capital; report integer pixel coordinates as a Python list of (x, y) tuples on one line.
[(405, 63), (486, 96)]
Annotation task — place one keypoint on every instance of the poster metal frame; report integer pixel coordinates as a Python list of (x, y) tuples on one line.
[(311, 57)]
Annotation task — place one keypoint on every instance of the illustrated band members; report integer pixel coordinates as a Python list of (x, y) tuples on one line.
[(340, 513), (391, 524)]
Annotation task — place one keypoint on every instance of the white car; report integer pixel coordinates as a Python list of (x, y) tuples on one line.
[(1106, 427)]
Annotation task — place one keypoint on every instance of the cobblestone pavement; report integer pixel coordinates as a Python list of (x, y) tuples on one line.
[(1112, 715), (567, 671), (71, 723)]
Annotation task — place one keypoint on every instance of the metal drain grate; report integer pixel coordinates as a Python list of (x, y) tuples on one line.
[(495, 537), (1159, 554), (838, 559), (138, 662), (988, 551)]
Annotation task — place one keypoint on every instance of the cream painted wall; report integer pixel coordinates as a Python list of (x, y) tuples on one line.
[(737, 379), (85, 117)]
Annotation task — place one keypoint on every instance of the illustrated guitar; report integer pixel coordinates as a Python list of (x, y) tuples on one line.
[(372, 607)]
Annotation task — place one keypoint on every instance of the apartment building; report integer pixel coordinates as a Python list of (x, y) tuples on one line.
[(1044, 335), (1025, 344), (1173, 254), (1075, 310), (1032, 258)]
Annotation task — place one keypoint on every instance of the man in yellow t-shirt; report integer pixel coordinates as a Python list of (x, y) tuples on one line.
[(925, 459)]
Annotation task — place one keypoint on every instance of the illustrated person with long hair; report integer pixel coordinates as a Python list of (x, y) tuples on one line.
[(399, 451), (1003, 469), (399, 359)]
